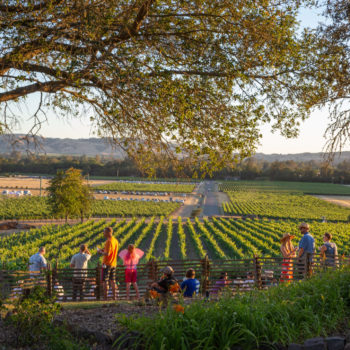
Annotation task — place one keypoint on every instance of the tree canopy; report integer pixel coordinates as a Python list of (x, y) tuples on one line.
[(334, 69), (68, 195), (190, 79)]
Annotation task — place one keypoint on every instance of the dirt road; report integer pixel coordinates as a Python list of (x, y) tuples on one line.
[(344, 201), (213, 199)]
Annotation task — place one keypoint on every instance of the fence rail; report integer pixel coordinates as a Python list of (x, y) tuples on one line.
[(215, 276)]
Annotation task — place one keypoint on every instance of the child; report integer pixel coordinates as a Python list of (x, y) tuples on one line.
[(131, 259), (190, 286)]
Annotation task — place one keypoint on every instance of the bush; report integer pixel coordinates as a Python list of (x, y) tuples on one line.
[(31, 322), (284, 314)]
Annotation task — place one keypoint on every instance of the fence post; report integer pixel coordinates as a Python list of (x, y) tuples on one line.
[(98, 282), (205, 274), (308, 265), (153, 272), (257, 268), (49, 280)]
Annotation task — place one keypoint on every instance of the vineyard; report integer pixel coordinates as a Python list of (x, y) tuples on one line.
[(146, 187), (281, 201), (285, 186), (37, 208), (220, 238)]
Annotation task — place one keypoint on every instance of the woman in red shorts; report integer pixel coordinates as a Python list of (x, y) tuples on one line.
[(131, 258)]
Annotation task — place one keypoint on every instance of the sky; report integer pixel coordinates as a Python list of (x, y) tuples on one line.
[(311, 137)]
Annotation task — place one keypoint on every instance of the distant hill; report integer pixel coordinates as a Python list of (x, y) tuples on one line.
[(53, 146), (301, 157), (98, 146)]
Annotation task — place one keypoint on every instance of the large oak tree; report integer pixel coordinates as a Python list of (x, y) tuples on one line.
[(191, 79), (332, 68)]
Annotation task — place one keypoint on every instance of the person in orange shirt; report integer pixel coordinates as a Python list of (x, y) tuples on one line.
[(110, 253)]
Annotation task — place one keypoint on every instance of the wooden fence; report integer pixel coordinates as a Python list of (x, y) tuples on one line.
[(214, 276)]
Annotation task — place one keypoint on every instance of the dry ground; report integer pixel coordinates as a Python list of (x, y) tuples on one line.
[(23, 182), (340, 200)]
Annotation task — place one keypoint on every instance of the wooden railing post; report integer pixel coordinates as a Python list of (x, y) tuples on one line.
[(49, 285), (54, 273), (257, 268), (308, 264), (153, 270), (98, 282), (205, 275)]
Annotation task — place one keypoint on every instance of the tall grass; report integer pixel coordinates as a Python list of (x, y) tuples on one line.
[(283, 314)]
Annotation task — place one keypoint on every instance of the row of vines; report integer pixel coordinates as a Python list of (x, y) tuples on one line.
[(220, 238)]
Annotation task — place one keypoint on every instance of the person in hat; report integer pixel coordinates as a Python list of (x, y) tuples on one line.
[(306, 248), (167, 280), (288, 252)]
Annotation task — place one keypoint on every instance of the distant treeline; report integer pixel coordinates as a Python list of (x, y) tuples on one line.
[(250, 169)]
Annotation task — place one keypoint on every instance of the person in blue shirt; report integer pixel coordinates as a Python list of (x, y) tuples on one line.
[(190, 285), (306, 246)]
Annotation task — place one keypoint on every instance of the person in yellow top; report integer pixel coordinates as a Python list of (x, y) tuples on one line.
[(110, 253)]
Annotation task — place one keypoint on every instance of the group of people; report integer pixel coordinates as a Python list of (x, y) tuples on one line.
[(306, 248), (79, 264), (189, 285)]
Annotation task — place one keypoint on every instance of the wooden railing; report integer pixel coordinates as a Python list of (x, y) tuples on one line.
[(242, 275)]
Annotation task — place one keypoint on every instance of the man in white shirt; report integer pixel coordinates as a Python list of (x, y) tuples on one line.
[(79, 263), (37, 262)]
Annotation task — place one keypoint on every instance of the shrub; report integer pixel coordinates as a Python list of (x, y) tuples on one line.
[(284, 314), (32, 319)]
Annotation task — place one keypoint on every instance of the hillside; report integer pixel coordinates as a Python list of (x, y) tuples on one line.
[(56, 146), (98, 146)]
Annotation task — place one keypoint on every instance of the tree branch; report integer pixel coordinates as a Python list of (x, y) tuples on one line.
[(49, 87)]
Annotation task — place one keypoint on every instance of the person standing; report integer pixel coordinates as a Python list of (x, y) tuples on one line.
[(329, 251), (306, 247), (131, 258), (79, 263), (288, 252), (110, 253), (37, 262)]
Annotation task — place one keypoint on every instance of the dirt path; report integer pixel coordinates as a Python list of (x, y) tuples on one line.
[(344, 201), (191, 203)]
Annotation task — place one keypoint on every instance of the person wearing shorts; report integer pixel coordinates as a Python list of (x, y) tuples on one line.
[(110, 253), (130, 262)]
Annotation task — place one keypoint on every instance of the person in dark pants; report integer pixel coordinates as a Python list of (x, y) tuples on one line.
[(110, 253), (329, 251), (306, 248), (79, 263)]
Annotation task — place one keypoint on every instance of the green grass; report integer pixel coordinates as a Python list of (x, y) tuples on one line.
[(284, 314)]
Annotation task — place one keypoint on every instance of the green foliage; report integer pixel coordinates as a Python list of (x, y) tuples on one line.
[(178, 76), (285, 186), (182, 238), (168, 239), (38, 208), (69, 195), (145, 187), (283, 314), (220, 238), (33, 315), (156, 234), (31, 322), (282, 200), (32, 319)]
